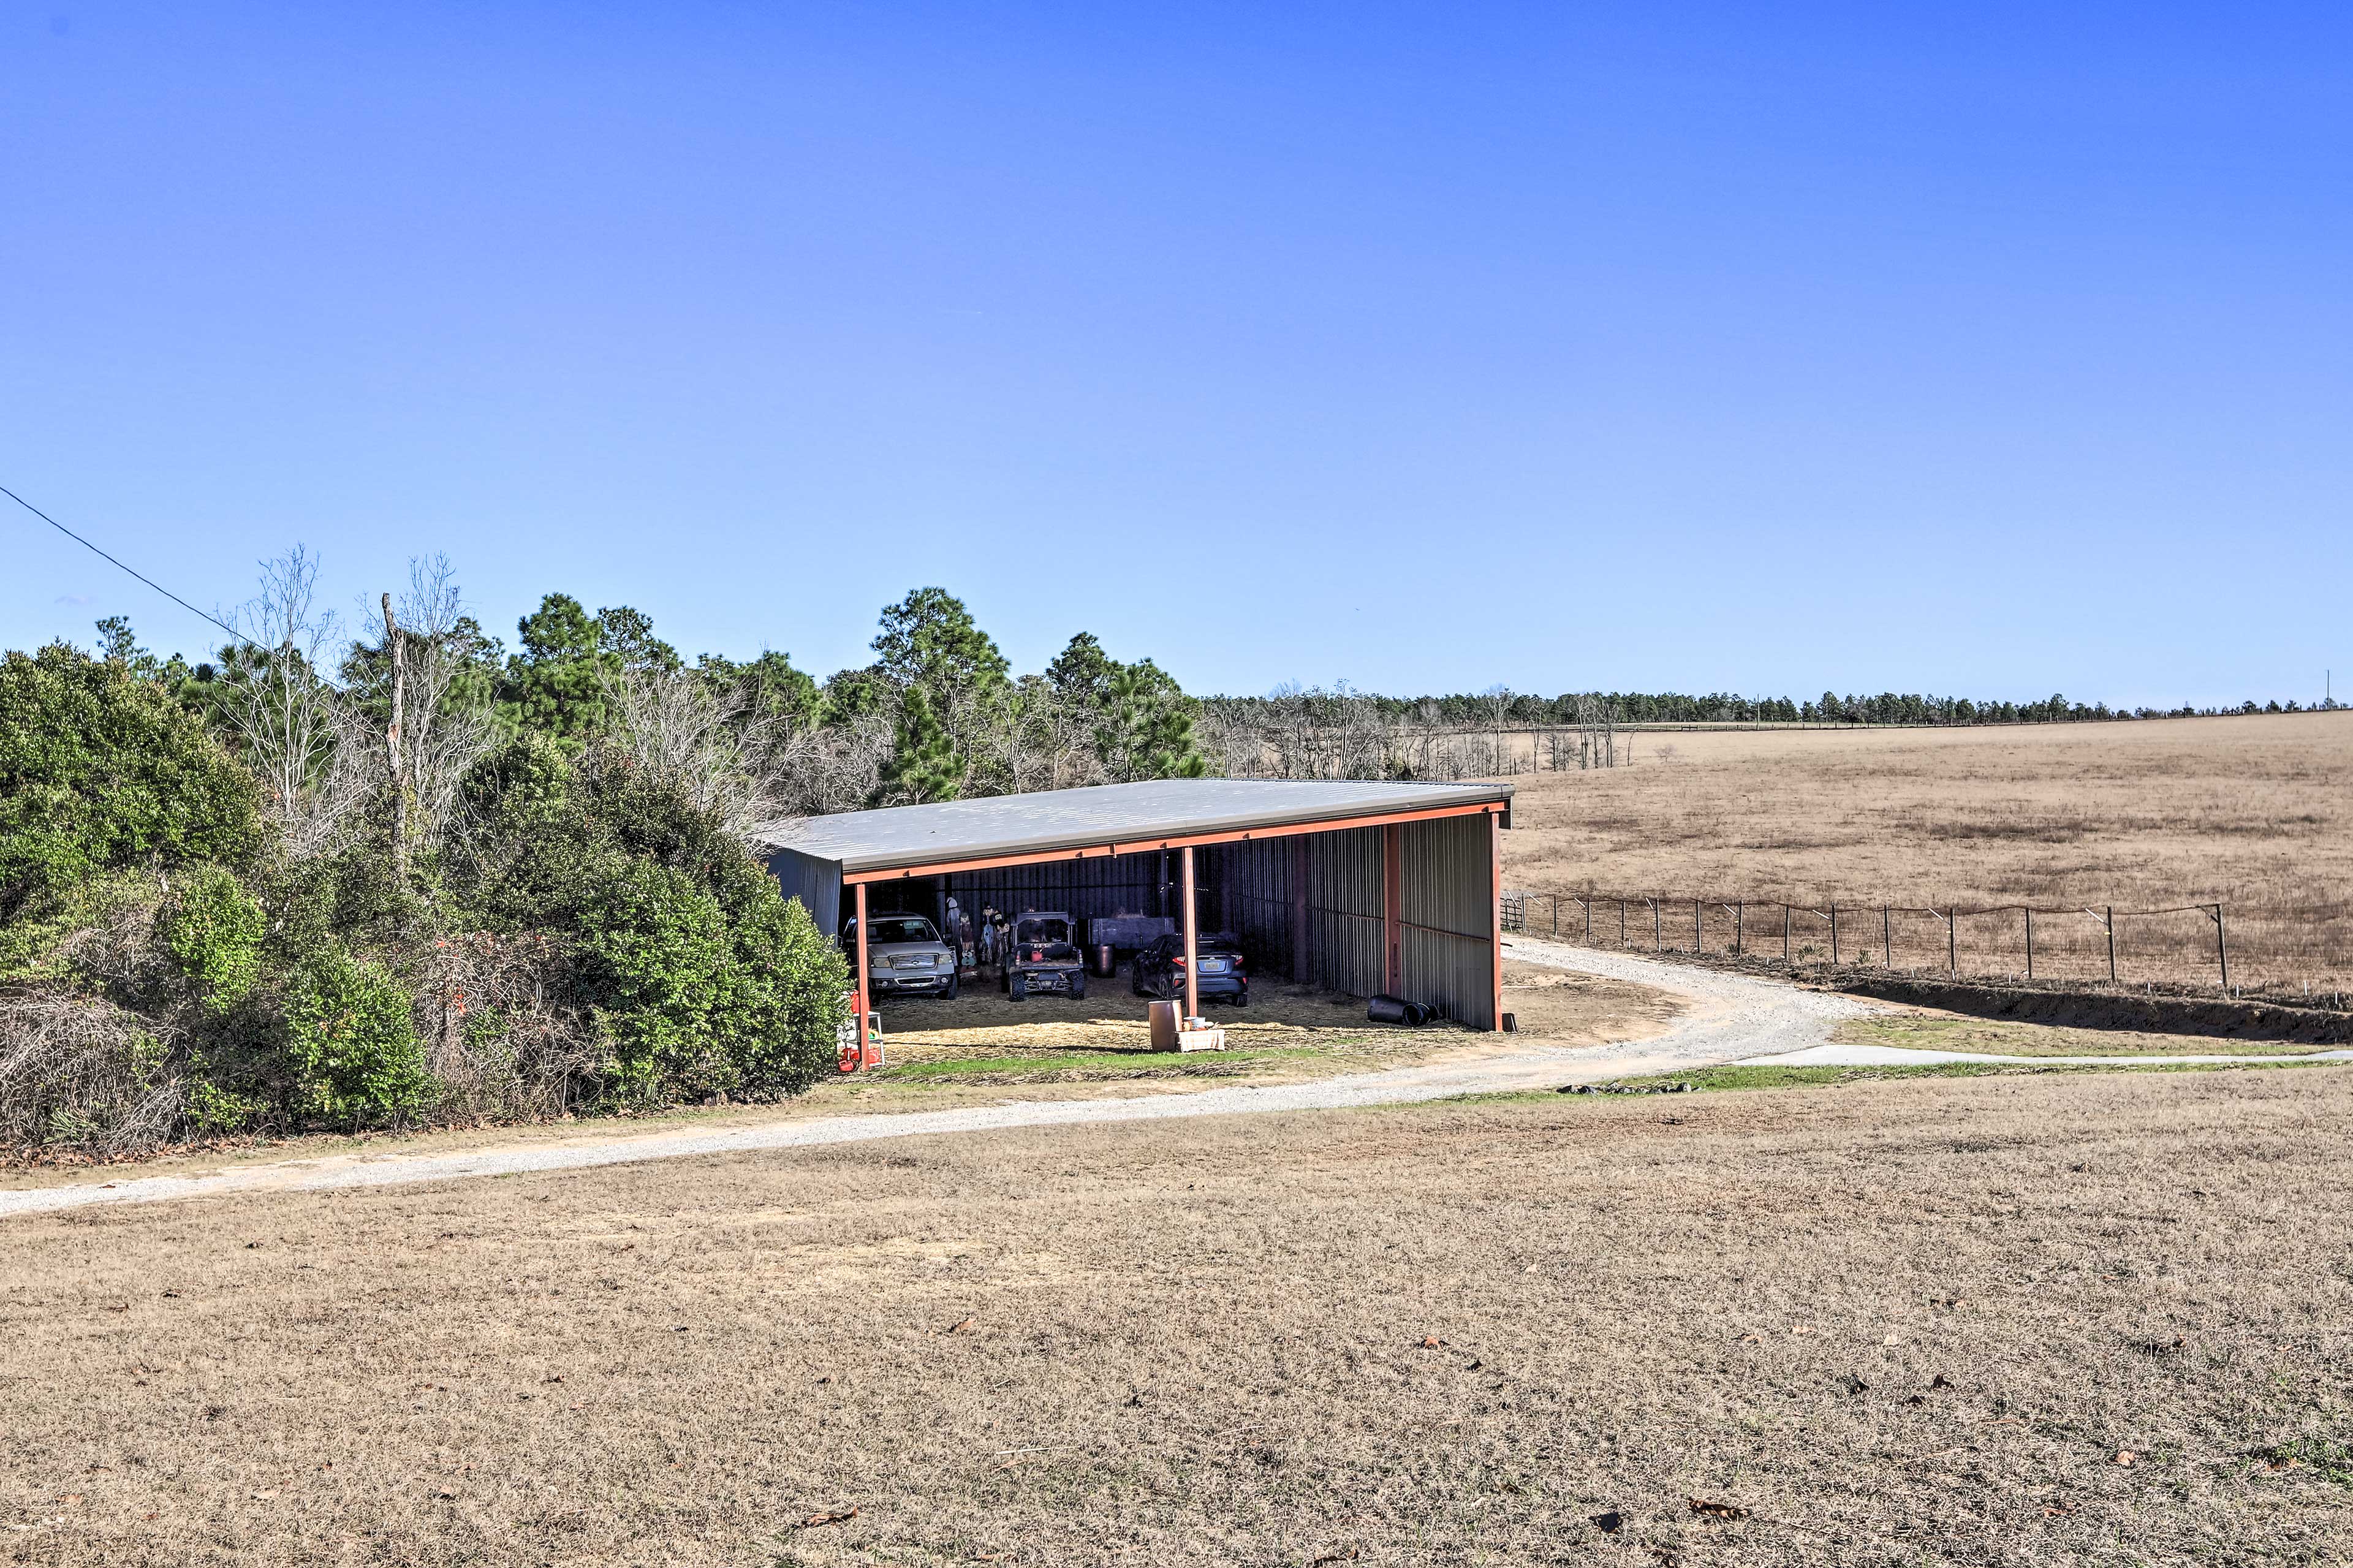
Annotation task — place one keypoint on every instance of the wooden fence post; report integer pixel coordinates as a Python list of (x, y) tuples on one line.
[(1699, 931), (1588, 917), (1739, 927), (2112, 944), (2221, 950), (1658, 934), (1622, 922), (1834, 947), (1953, 941), (1886, 940), (2030, 942), (1785, 934)]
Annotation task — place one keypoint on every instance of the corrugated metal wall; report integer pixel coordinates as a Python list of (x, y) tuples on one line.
[(1449, 913), (1343, 910), (1246, 890), (1111, 885), (815, 883)]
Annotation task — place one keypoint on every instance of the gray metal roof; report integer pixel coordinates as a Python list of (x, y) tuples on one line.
[(1049, 820)]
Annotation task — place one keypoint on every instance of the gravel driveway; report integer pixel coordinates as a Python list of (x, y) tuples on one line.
[(1731, 1017)]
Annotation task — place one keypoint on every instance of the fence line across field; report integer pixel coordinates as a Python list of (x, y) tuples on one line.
[(1515, 918)]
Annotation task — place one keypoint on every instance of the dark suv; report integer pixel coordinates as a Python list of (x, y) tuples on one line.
[(1159, 970)]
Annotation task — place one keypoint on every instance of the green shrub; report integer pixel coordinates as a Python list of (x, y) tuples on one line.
[(94, 936), (213, 1111), (351, 1042), (100, 771), (788, 1035), (662, 972), (213, 931)]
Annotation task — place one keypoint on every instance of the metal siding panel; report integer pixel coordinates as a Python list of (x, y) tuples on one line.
[(1344, 910), (1252, 886), (816, 882), (1086, 889), (1450, 919)]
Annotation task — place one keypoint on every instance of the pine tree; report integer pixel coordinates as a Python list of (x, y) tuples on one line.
[(923, 764)]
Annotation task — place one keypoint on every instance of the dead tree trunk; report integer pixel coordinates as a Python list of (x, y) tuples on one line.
[(392, 757)]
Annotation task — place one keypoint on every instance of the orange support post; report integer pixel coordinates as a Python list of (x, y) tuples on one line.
[(1495, 903), (865, 1002), (1192, 942)]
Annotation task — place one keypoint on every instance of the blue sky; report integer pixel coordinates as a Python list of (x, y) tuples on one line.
[(1990, 349)]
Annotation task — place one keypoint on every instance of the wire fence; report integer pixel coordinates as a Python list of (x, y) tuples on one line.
[(2207, 946)]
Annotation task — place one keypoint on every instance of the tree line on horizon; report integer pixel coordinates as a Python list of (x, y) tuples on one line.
[(1524, 710), (939, 713)]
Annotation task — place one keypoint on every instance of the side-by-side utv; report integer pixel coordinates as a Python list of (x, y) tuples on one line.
[(1042, 953)]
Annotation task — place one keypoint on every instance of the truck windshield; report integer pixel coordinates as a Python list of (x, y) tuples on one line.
[(900, 928)]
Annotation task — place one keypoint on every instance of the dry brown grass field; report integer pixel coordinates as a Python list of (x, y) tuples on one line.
[(2256, 812), (2097, 1319)]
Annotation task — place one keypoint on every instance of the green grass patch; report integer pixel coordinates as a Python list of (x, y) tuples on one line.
[(2327, 1458), (1717, 1079)]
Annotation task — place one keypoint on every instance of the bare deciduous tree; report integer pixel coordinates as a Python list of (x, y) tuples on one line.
[(443, 733), (1499, 699), (678, 727), (290, 720), (433, 729)]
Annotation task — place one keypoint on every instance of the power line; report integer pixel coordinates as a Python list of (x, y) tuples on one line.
[(150, 581)]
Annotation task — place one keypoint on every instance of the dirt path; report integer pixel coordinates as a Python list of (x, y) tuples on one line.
[(1730, 1016)]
